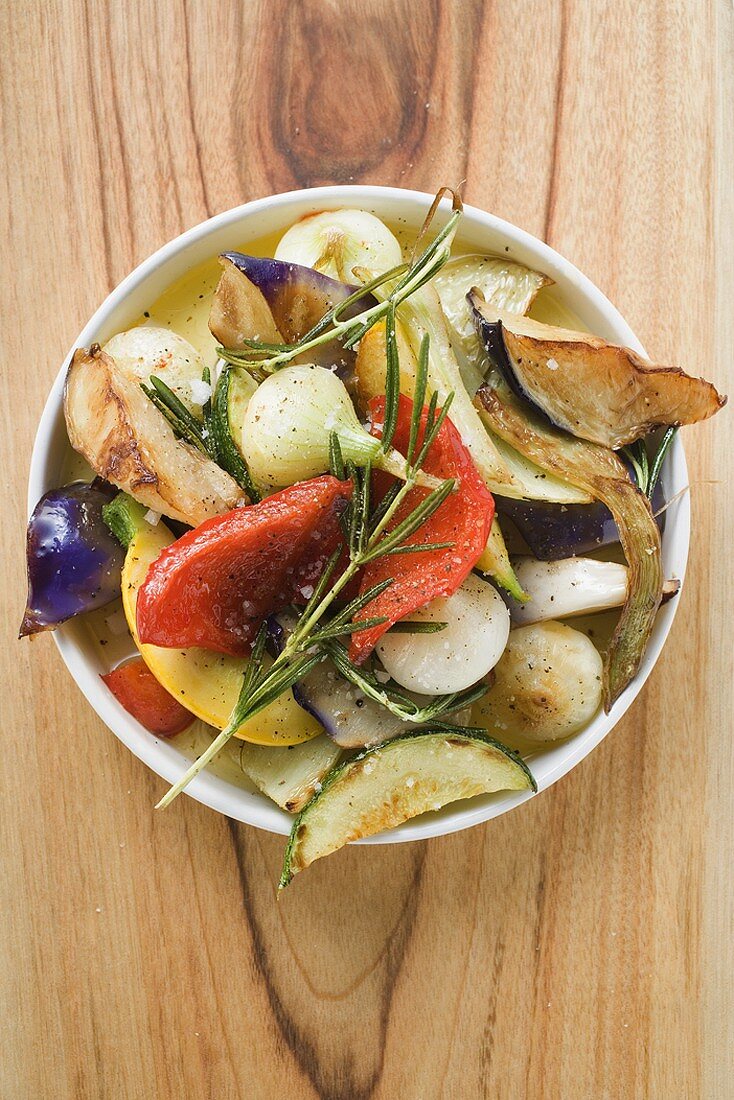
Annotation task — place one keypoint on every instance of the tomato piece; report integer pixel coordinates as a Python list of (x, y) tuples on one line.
[(464, 519), (214, 586), (137, 690)]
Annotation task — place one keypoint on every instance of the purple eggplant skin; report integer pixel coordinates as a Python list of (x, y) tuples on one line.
[(298, 296), (555, 531), (74, 561)]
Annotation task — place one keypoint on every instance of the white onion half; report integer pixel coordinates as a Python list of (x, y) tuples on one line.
[(458, 656), (548, 685), (336, 241)]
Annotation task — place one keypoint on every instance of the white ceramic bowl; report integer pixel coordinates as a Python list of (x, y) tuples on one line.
[(254, 220)]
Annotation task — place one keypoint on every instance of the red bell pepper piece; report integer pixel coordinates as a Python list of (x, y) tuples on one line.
[(137, 690), (464, 518), (214, 586)]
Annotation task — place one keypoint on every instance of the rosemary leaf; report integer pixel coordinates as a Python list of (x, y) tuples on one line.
[(385, 504), (408, 626), (432, 431), (420, 548), (392, 381), (341, 629), (227, 453), (419, 397), (336, 459), (657, 462)]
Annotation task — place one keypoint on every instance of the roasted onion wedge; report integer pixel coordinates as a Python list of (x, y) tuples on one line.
[(384, 786), (599, 472), (126, 440), (595, 390)]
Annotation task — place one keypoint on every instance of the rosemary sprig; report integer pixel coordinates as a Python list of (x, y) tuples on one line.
[(647, 471), (404, 281), (182, 428), (398, 704), (310, 642)]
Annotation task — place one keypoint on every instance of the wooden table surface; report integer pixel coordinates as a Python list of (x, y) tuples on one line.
[(578, 948)]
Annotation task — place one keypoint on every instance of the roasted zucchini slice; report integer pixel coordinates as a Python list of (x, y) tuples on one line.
[(384, 786)]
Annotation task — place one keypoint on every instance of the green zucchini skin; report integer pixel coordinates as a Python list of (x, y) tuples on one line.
[(442, 735)]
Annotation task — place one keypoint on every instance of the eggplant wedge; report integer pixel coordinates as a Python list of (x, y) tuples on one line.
[(297, 296), (597, 391), (278, 302), (127, 441), (384, 786), (599, 472)]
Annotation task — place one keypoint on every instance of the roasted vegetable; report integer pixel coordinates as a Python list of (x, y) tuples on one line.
[(505, 285), (599, 472), (298, 296), (137, 690), (384, 786), (350, 718), (477, 624), (335, 242), (597, 391), (72, 559), (208, 684), (288, 774), (289, 421), (571, 586), (239, 310), (129, 442), (216, 585), (547, 685), (554, 531), (148, 349)]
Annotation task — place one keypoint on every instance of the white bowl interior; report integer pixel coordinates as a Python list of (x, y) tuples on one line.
[(484, 233)]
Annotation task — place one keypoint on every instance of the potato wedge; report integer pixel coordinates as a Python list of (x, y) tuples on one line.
[(126, 440)]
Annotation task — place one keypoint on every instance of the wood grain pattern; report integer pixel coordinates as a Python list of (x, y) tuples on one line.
[(581, 947)]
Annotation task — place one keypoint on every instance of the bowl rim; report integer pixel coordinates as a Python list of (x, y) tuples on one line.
[(217, 793)]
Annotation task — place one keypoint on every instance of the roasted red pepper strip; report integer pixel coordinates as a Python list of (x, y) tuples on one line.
[(137, 690), (214, 586), (464, 518)]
